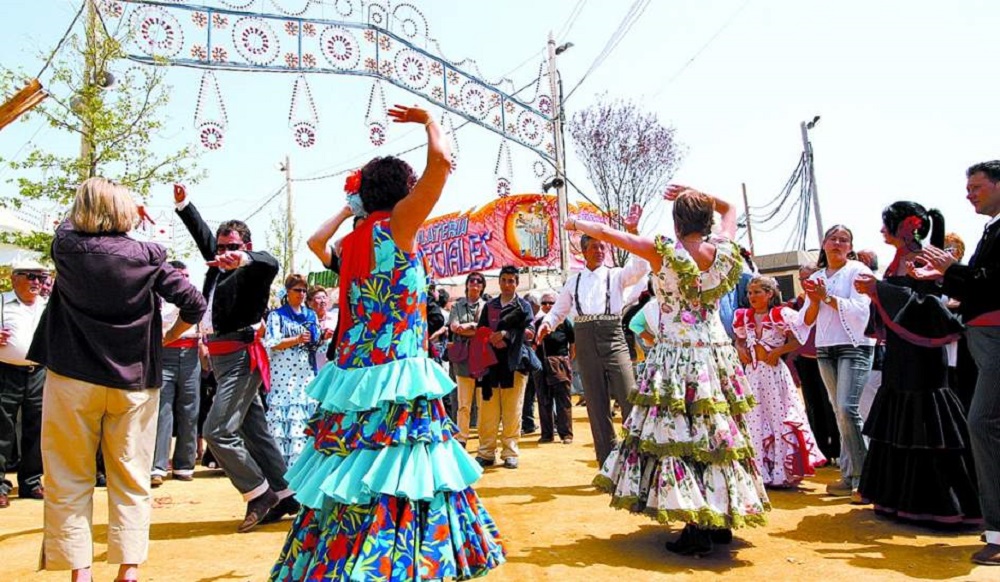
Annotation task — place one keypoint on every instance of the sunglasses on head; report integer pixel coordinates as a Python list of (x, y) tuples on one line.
[(228, 247), (40, 277)]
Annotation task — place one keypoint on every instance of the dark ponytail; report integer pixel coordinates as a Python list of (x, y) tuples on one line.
[(937, 227)]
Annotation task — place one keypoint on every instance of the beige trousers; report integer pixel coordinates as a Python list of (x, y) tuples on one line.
[(504, 407), (466, 392), (78, 416)]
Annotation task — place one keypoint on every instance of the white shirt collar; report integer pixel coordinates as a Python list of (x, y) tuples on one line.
[(993, 221)]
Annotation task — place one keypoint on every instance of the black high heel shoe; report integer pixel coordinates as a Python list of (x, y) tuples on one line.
[(693, 541)]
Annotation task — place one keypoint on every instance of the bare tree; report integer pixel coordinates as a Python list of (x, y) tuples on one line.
[(629, 155)]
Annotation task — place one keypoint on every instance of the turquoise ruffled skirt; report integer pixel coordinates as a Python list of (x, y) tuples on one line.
[(385, 488)]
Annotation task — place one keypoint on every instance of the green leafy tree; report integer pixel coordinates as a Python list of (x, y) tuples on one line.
[(280, 239), (116, 115)]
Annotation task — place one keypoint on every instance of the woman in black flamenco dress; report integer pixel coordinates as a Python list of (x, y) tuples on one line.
[(919, 467)]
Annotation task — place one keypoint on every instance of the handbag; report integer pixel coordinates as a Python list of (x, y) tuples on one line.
[(458, 351)]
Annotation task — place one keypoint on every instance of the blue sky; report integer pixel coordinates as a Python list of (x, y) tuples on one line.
[(905, 91)]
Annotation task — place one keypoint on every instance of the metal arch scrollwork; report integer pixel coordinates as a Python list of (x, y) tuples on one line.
[(372, 38), (409, 22)]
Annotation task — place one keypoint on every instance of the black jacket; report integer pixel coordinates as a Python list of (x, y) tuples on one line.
[(977, 285), (102, 324), (241, 295)]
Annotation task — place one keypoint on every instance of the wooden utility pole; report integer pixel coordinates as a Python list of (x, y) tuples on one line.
[(746, 212), (89, 82), (562, 205)]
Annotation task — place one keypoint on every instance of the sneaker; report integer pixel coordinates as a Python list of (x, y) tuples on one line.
[(510, 463), (858, 499), (183, 477), (839, 489), (36, 492), (155, 481), (485, 462), (257, 509), (567, 441), (287, 506)]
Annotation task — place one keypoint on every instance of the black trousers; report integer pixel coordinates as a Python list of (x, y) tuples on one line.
[(555, 408), (21, 391), (818, 408)]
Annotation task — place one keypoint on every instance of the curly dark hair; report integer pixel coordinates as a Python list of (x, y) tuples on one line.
[(932, 221), (237, 226), (384, 182)]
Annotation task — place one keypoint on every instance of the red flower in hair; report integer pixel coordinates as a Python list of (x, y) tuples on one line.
[(353, 183), (910, 226)]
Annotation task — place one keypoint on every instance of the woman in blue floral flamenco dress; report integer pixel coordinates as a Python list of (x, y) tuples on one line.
[(385, 486), (686, 454)]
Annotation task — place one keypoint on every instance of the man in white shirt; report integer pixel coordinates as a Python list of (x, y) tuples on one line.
[(21, 380), (595, 297)]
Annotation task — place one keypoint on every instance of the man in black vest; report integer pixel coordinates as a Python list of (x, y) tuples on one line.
[(977, 287), (237, 287)]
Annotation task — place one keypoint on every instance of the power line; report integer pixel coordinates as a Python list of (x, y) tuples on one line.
[(571, 20), (266, 202), (697, 54), (629, 20), (65, 35)]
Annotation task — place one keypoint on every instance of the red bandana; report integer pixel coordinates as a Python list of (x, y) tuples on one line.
[(357, 259)]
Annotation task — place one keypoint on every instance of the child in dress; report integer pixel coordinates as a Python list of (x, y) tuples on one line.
[(786, 450)]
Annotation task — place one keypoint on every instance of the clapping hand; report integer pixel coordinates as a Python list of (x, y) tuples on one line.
[(866, 284), (931, 263), (815, 289)]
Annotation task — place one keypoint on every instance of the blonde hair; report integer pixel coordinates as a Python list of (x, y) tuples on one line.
[(103, 207), (767, 284), (953, 240)]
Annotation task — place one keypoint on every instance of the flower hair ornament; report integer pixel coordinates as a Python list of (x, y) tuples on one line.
[(911, 226), (353, 183), (352, 186)]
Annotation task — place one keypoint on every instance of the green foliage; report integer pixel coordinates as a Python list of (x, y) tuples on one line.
[(35, 241), (117, 125), (280, 239)]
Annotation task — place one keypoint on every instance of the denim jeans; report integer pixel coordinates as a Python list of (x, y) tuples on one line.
[(178, 411), (845, 370)]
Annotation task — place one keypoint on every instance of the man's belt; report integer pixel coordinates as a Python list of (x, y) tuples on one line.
[(29, 369), (601, 317), (184, 342)]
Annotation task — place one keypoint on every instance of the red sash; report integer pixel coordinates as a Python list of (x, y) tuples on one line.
[(256, 350), (184, 342)]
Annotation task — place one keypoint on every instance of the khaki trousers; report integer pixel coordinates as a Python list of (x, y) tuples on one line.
[(504, 407), (466, 392), (78, 416)]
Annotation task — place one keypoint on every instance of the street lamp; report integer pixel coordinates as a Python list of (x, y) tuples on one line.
[(559, 181)]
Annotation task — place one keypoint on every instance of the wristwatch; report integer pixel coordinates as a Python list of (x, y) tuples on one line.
[(828, 299)]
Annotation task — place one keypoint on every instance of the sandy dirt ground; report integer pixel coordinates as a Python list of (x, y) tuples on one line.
[(556, 527)]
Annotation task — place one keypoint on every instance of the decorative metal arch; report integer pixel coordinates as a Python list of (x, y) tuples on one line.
[(370, 39)]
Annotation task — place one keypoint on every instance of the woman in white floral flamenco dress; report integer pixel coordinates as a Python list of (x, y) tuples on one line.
[(686, 452)]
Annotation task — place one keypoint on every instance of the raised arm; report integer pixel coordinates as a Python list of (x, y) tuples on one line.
[(319, 242), (203, 236), (633, 243), (410, 213), (727, 212)]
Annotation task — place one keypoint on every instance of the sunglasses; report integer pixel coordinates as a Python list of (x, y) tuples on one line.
[(220, 248), (548, 302), (41, 278), (299, 289), (477, 281)]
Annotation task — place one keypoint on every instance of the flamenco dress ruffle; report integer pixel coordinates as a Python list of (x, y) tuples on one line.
[(686, 454), (385, 487)]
